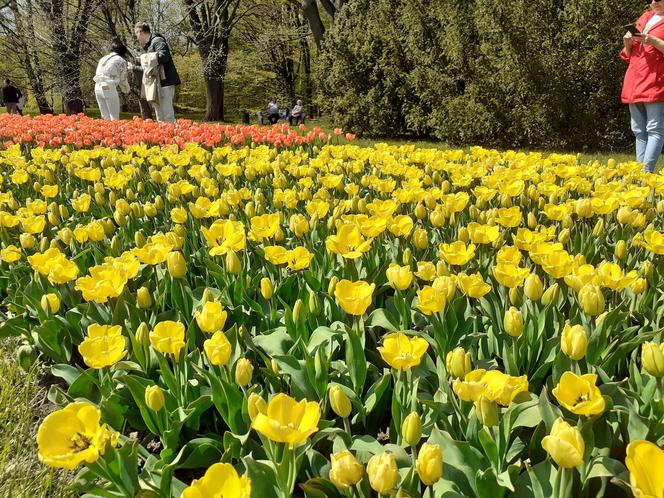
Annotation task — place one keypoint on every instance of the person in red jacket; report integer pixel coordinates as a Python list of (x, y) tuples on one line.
[(643, 88)]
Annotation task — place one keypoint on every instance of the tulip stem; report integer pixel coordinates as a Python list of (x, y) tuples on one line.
[(431, 495), (347, 426)]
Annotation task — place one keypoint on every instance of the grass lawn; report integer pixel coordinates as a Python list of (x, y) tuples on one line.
[(22, 404)]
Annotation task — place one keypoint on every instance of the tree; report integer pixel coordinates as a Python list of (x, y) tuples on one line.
[(211, 23), (68, 27), (19, 29)]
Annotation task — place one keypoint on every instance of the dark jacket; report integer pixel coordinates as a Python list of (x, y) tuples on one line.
[(158, 45), (10, 94)]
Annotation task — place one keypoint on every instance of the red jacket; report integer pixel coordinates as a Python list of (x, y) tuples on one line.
[(644, 79)]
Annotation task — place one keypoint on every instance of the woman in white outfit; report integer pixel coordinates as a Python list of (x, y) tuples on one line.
[(111, 74)]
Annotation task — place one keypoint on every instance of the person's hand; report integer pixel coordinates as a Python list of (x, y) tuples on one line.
[(130, 66), (647, 39)]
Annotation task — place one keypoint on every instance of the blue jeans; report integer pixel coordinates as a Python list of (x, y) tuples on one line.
[(648, 128)]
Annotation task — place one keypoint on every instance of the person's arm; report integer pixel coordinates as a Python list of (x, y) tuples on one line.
[(161, 49), (122, 75), (653, 41), (626, 52)]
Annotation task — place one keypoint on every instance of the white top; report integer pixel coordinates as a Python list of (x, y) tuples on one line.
[(112, 69), (653, 20)]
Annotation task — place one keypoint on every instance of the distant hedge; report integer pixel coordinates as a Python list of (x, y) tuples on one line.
[(541, 73)]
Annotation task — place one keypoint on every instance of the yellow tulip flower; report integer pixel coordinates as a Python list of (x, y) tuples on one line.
[(579, 394), (383, 473), (168, 337), (218, 348), (221, 480), (473, 285), (287, 420), (402, 353), (645, 462), (574, 341), (457, 253), (399, 277), (430, 464), (354, 297), (345, 470), (73, 435), (212, 317), (565, 444), (348, 242)]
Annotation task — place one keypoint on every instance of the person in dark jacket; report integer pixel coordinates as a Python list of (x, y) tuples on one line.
[(10, 97), (155, 43)]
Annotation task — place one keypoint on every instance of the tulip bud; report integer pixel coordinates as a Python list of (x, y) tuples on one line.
[(550, 295), (53, 219), (420, 239), (159, 203), (345, 470), (574, 341), (646, 269), (430, 464), (115, 245), (565, 444), (176, 264), (532, 221), (411, 429), (339, 402), (243, 372), (233, 263), (43, 244), (564, 236), (332, 285), (66, 235), (458, 362), (154, 398), (139, 239), (640, 285), (255, 405), (27, 240), (207, 296), (599, 228), (652, 358), (143, 298), (464, 235), (383, 473), (297, 310), (142, 333), (516, 296), (487, 411), (591, 299), (64, 212), (50, 302), (274, 365), (266, 288), (112, 198), (26, 355), (441, 269), (314, 303), (407, 256), (621, 250), (513, 322), (567, 221)]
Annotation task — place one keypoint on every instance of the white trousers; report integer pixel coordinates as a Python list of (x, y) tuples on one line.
[(164, 110), (108, 100)]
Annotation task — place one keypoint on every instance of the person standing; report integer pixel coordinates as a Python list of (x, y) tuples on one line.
[(10, 97), (643, 86), (155, 43), (111, 73)]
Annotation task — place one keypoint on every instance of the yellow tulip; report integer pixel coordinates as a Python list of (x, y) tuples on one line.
[(513, 322), (579, 394), (50, 303), (143, 298), (483, 234), (348, 242), (621, 250), (11, 254), (591, 299), (219, 481), (420, 238), (446, 285), (411, 429), (473, 285), (430, 300), (487, 411), (645, 462), (503, 388), (458, 362), (354, 297), (339, 402), (399, 277), (457, 253), (255, 405), (267, 289), (510, 275), (233, 263), (345, 470), (243, 372), (430, 464), (550, 295), (154, 398), (177, 266), (402, 353), (218, 348), (383, 473), (102, 351), (426, 270), (287, 420), (574, 341), (73, 435), (565, 444), (168, 337), (472, 387), (652, 358), (212, 317)]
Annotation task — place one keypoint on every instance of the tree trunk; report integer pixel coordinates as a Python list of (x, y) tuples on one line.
[(310, 9), (70, 73), (214, 105), (308, 86)]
